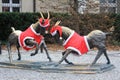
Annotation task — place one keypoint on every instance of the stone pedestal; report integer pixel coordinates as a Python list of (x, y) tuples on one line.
[(62, 68)]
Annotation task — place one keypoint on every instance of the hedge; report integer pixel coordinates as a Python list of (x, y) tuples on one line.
[(18, 20), (82, 24)]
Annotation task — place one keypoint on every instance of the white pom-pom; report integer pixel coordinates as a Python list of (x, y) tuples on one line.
[(46, 32), (60, 38)]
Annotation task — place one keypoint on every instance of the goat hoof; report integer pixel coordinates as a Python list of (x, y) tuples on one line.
[(32, 54), (19, 59), (71, 63), (56, 65), (108, 62), (50, 60)]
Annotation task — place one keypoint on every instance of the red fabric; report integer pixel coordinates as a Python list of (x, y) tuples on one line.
[(58, 28), (77, 43), (46, 23), (29, 33)]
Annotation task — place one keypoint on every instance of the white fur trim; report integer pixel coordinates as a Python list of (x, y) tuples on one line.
[(19, 40), (68, 38), (53, 33), (34, 30), (85, 37), (45, 25)]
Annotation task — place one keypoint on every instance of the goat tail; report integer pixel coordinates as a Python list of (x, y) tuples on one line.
[(13, 29), (108, 33), (111, 30)]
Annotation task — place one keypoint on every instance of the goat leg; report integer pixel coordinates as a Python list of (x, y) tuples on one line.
[(19, 55), (41, 48), (9, 52), (50, 60), (36, 50), (32, 42), (108, 60), (97, 56), (65, 55), (66, 59)]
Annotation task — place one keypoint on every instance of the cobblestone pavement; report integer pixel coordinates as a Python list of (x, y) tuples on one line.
[(19, 74)]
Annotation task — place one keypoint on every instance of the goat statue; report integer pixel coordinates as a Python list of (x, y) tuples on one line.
[(30, 38), (76, 44)]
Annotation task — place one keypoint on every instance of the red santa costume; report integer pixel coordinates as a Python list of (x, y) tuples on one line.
[(75, 41), (29, 34)]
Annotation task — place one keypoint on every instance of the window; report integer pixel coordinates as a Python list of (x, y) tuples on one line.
[(108, 6), (5, 1), (16, 9), (102, 1), (109, 1), (6, 9), (112, 9), (112, 1), (109, 9), (15, 1), (10, 5)]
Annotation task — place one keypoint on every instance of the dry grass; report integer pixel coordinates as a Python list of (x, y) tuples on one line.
[(55, 47)]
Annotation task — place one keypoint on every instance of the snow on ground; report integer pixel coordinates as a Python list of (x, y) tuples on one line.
[(19, 74)]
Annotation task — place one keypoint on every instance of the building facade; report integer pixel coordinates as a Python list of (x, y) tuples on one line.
[(109, 6), (33, 5), (90, 6), (98, 6), (16, 5)]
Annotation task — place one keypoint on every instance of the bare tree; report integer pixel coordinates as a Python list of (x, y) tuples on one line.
[(84, 6)]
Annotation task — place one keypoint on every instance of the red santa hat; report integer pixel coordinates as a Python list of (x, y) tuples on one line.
[(44, 23), (54, 29)]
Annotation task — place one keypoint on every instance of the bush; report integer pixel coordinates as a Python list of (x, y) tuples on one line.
[(18, 20), (117, 27)]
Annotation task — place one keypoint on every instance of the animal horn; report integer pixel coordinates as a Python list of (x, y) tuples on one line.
[(48, 15), (57, 23), (41, 15)]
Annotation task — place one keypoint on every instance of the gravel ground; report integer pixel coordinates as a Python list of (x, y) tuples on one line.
[(18, 74)]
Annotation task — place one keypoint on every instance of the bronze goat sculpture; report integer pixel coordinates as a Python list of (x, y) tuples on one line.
[(30, 38), (76, 44)]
